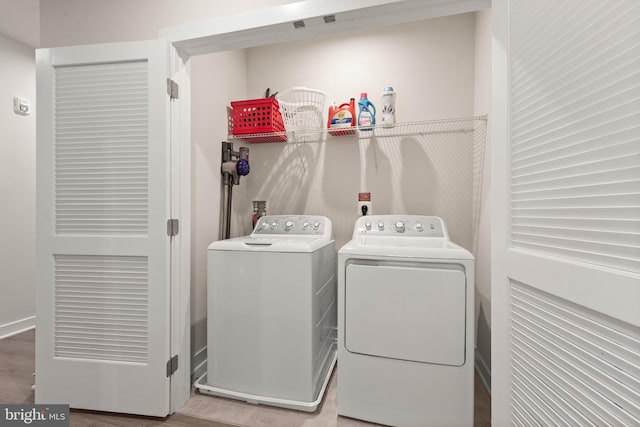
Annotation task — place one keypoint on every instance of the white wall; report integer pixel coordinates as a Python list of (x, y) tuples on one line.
[(17, 188), (482, 105), (430, 64), (215, 79)]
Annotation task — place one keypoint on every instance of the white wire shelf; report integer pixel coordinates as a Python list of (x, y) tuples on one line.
[(429, 127)]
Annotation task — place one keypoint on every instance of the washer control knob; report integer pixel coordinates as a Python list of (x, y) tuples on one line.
[(288, 225), (381, 226), (265, 225), (399, 226), (305, 225), (419, 226), (316, 225), (367, 225), (274, 225)]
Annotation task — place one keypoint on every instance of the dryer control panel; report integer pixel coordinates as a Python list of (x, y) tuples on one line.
[(401, 225), (304, 225)]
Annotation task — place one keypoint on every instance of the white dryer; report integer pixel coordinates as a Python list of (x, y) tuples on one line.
[(271, 314), (405, 324)]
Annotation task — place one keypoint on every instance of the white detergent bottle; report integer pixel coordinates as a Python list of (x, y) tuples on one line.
[(388, 116)]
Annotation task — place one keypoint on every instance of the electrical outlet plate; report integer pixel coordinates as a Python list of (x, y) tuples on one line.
[(368, 205)]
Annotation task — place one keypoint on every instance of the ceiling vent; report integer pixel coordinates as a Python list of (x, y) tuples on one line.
[(328, 19)]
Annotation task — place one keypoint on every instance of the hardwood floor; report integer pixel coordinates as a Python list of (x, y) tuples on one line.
[(17, 364)]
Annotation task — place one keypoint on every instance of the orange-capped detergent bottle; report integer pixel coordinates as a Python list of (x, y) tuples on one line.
[(342, 117)]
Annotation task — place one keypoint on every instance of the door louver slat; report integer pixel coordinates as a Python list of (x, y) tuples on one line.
[(575, 134), (101, 150), (104, 317), (585, 366)]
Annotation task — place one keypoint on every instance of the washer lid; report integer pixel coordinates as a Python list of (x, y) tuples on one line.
[(271, 244)]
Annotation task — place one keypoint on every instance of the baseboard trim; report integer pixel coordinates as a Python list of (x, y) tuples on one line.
[(483, 371), (198, 364), (14, 328)]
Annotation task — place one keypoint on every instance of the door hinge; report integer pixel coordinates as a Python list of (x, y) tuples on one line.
[(173, 227), (172, 89), (172, 365)]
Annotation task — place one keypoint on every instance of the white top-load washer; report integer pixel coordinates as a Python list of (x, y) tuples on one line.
[(405, 324), (272, 313)]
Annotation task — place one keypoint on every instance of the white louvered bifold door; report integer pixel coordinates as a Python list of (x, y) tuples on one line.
[(566, 283), (102, 337)]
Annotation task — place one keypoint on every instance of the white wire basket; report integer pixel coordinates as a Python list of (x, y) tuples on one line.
[(302, 112)]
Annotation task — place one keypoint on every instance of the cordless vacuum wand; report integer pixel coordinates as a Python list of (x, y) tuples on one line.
[(234, 165)]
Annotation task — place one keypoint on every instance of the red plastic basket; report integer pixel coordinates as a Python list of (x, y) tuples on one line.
[(257, 116)]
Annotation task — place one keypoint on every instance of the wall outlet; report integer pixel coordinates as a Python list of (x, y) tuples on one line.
[(364, 204), (364, 208)]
